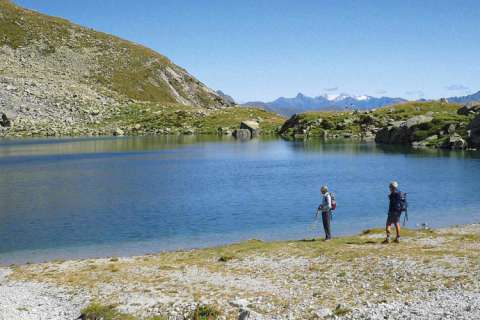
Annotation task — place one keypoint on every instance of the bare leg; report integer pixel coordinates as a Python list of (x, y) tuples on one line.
[(397, 229), (387, 230)]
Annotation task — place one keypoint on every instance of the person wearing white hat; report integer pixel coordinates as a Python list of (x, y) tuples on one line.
[(326, 209)]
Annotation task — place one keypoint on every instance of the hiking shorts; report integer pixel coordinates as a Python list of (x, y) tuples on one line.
[(393, 218)]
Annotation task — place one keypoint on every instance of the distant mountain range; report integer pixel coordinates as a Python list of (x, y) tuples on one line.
[(465, 99), (302, 103)]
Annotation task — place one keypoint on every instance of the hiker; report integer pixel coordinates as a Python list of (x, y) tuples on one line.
[(326, 209), (394, 211)]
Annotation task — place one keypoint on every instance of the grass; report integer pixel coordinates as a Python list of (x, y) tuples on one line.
[(97, 311), (205, 312), (181, 119), (305, 267)]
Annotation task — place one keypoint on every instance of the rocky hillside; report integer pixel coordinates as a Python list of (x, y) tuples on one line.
[(60, 78), (421, 124)]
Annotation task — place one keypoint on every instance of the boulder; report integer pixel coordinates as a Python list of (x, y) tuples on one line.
[(252, 126), (469, 108), (242, 134), (454, 142), (451, 128), (474, 132), (424, 143), (5, 121), (418, 120), (393, 135)]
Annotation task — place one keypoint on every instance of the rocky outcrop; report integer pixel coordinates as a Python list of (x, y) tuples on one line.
[(474, 132), (252, 126), (454, 142), (470, 108), (402, 132)]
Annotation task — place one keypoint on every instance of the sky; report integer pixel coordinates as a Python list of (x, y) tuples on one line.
[(264, 49)]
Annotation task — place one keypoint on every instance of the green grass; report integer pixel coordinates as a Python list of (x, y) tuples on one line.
[(97, 311), (205, 312), (152, 116)]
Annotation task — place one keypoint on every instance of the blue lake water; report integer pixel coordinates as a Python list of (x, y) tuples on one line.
[(69, 198)]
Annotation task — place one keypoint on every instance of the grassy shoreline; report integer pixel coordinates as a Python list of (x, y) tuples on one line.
[(273, 279)]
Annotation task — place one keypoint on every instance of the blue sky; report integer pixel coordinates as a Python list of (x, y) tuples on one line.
[(263, 49)]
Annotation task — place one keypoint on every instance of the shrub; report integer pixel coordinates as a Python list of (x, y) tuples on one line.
[(327, 124), (205, 312)]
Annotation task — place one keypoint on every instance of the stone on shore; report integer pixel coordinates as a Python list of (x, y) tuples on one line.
[(252, 126)]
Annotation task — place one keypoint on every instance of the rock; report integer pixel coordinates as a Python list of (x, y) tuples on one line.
[(424, 143), (451, 128), (455, 142), (252, 126), (244, 315), (323, 313), (5, 121), (474, 132), (137, 126), (401, 132), (393, 135), (242, 134), (224, 131), (469, 108), (118, 132), (418, 120)]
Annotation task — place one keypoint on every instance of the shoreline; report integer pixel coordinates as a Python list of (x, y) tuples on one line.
[(131, 249), (425, 276)]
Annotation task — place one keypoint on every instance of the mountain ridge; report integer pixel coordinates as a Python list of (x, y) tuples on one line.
[(56, 75), (331, 102)]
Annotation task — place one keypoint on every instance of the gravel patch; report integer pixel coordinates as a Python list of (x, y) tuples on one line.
[(24, 300)]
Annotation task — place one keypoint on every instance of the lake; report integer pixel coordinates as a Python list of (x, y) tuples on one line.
[(89, 197)]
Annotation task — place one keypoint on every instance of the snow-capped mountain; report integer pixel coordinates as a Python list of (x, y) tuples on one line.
[(302, 103)]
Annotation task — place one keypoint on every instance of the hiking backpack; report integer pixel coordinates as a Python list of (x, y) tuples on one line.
[(334, 201), (404, 206)]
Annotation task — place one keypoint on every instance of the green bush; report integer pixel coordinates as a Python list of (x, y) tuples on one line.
[(327, 124), (205, 312)]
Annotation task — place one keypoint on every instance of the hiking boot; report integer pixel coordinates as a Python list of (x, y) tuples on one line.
[(386, 241), (397, 240)]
